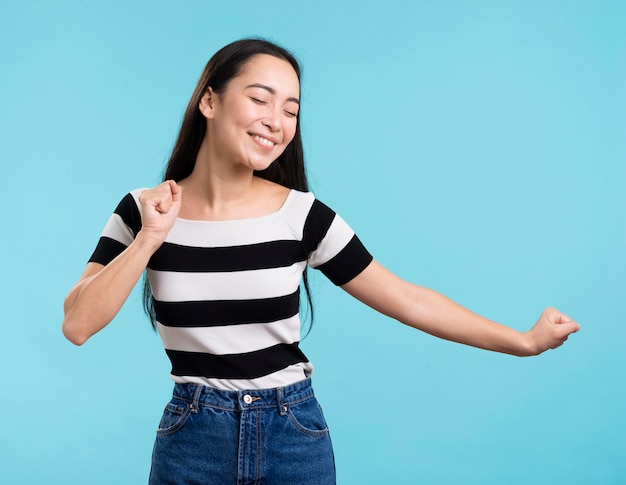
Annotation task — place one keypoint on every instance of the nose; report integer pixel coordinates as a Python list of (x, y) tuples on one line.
[(272, 119)]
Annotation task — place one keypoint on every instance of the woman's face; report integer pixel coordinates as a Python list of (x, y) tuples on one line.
[(254, 119)]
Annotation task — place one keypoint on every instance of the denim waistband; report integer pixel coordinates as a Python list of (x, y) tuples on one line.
[(280, 397)]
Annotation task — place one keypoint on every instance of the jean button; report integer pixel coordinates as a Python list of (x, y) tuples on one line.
[(247, 399)]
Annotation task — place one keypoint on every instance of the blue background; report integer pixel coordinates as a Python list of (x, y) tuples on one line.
[(476, 147)]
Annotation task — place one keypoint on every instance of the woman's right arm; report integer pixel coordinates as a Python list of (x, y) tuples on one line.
[(102, 290)]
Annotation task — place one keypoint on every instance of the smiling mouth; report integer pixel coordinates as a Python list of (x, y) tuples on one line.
[(263, 141)]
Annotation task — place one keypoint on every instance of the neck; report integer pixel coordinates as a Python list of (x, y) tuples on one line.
[(216, 182)]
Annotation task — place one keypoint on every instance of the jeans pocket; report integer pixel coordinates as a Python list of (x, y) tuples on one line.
[(307, 418), (174, 417)]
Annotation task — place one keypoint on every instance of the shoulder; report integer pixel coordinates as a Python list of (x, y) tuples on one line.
[(307, 206), (135, 193), (301, 197), (128, 209), (298, 204), (131, 199)]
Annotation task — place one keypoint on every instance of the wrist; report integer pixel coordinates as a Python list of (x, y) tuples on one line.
[(528, 346), (148, 241)]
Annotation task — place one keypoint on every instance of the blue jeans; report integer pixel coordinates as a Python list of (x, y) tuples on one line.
[(261, 436)]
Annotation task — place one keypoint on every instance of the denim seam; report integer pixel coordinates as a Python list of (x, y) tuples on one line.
[(207, 405), (299, 400), (236, 408), (259, 449), (311, 433), (178, 424)]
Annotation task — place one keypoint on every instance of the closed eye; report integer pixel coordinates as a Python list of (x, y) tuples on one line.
[(258, 101), (291, 113)]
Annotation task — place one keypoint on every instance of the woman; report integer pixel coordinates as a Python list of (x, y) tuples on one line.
[(226, 240)]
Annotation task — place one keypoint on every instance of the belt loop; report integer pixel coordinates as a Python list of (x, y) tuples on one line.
[(196, 399), (282, 406)]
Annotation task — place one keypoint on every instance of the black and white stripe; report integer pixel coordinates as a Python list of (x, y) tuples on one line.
[(227, 293)]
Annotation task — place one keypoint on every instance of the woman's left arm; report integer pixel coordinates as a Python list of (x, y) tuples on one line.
[(437, 315)]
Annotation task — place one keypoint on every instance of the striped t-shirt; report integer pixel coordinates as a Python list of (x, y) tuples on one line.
[(227, 293)]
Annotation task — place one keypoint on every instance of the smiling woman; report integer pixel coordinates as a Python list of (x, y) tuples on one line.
[(259, 105), (226, 241)]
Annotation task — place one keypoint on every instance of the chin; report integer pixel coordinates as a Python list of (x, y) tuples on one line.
[(260, 166), (262, 169)]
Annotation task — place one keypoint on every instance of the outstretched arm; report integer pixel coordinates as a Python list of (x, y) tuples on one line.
[(437, 315)]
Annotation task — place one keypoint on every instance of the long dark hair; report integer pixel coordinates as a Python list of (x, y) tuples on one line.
[(288, 169)]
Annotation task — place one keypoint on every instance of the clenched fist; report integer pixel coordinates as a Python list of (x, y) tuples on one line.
[(159, 209), (550, 331)]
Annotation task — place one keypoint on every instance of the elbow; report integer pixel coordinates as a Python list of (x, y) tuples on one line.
[(79, 321), (73, 328), (68, 327), (73, 334)]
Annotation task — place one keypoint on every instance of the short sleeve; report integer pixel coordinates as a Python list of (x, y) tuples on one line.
[(120, 230), (332, 246)]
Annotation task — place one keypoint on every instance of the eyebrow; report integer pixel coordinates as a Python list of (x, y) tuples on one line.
[(271, 91)]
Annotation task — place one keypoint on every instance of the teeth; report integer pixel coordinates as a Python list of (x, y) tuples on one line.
[(263, 141)]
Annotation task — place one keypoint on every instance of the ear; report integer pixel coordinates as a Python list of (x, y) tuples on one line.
[(207, 103)]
